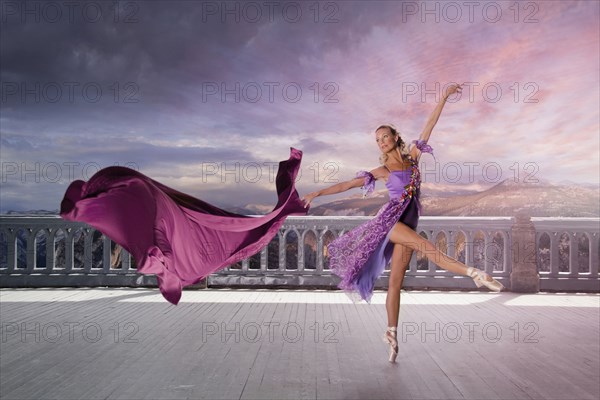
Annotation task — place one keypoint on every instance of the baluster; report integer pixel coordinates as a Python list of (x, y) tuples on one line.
[(320, 255), (87, 250), (264, 258), (125, 260), (469, 237), (451, 243), (50, 250), (12, 250), (507, 262), (554, 259), (30, 250), (594, 257), (450, 238), (106, 254), (69, 251), (487, 265), (300, 256), (573, 254), (536, 249), (282, 255)]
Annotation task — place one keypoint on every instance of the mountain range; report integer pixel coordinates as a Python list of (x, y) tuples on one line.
[(506, 198)]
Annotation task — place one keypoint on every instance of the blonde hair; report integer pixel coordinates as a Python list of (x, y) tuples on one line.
[(399, 142)]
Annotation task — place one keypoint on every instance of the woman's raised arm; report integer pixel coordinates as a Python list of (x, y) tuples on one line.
[(433, 118), (435, 115)]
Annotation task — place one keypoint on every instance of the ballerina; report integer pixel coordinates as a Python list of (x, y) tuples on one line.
[(360, 256)]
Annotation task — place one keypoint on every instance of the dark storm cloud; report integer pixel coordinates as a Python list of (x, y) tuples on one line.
[(169, 52), (146, 74), (164, 34), (175, 44)]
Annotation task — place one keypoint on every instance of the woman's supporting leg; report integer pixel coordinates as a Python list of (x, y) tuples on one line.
[(400, 259)]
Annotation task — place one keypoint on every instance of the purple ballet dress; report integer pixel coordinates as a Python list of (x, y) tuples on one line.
[(172, 235), (360, 255)]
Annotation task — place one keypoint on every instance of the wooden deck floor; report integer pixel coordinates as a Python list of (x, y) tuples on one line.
[(260, 344)]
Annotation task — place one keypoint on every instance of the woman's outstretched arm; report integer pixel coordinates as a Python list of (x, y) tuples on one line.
[(342, 186)]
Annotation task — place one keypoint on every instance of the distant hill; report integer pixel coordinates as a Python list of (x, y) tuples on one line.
[(33, 213), (506, 198)]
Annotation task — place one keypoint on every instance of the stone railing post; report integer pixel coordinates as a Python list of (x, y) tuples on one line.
[(524, 277)]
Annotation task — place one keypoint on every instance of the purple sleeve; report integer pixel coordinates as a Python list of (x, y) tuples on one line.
[(369, 184), (424, 147)]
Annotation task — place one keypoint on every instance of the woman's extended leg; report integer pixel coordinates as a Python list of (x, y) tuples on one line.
[(402, 234)]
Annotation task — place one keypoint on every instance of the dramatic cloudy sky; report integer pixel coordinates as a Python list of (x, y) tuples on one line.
[(191, 88)]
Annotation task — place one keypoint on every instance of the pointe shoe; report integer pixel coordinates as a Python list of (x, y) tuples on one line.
[(390, 338), (481, 278)]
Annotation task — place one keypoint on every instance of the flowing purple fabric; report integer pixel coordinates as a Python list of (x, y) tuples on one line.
[(360, 255), (175, 236)]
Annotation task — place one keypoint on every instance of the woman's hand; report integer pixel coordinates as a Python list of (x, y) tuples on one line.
[(308, 198), (453, 89)]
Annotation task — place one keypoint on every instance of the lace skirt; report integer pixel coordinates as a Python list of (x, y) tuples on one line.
[(360, 256)]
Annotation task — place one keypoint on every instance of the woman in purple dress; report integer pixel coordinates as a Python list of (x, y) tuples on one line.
[(360, 256)]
